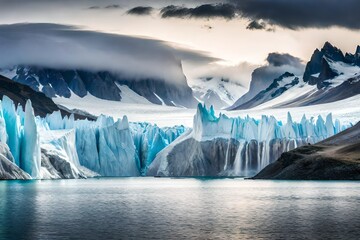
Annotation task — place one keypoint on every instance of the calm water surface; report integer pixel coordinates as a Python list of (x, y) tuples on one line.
[(165, 208)]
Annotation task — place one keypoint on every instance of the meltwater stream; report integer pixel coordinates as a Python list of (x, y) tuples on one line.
[(167, 208)]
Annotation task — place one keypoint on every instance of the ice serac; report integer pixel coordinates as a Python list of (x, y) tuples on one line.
[(30, 144), (12, 122), (150, 139), (113, 148), (223, 146), (34, 150), (117, 153), (59, 158)]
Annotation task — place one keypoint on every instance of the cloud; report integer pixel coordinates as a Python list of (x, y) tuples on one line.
[(239, 74), (68, 47), (276, 65), (94, 7), (302, 14), (221, 10), (294, 14), (281, 59), (111, 6), (140, 10)]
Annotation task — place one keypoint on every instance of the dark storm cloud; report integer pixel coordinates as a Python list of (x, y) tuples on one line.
[(140, 10), (68, 47), (280, 59), (221, 10), (302, 14), (292, 14)]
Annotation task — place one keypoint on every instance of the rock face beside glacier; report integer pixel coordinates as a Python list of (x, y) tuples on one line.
[(8, 169), (335, 158), (223, 146)]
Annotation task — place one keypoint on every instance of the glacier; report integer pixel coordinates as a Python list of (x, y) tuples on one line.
[(112, 147), (223, 146), (61, 147), (56, 147)]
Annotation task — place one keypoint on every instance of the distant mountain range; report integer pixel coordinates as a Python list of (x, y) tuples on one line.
[(103, 85), (329, 76)]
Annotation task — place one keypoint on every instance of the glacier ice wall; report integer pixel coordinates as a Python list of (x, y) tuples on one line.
[(62, 147), (19, 131), (223, 146), (115, 148), (34, 148)]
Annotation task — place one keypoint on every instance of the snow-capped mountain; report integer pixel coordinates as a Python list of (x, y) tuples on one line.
[(280, 85), (329, 76), (215, 91), (103, 85)]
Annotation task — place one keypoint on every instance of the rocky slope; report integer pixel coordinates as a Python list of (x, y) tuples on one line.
[(8, 169), (42, 105), (336, 158)]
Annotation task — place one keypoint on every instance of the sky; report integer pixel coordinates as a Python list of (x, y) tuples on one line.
[(224, 37)]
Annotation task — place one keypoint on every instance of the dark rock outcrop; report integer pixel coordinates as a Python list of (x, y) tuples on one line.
[(206, 158), (42, 105), (336, 158), (8, 169), (315, 65)]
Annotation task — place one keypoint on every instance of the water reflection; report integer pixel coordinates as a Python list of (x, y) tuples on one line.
[(163, 208)]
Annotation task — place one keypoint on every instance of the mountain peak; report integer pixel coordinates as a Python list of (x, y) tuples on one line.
[(357, 50), (327, 45), (332, 52), (315, 65)]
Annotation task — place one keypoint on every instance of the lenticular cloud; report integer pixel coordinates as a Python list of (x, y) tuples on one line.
[(63, 46)]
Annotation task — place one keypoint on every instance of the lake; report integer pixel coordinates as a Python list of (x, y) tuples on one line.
[(179, 208)]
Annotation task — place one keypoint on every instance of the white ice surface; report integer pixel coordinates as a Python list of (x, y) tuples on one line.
[(345, 72), (129, 96), (290, 94), (347, 110)]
